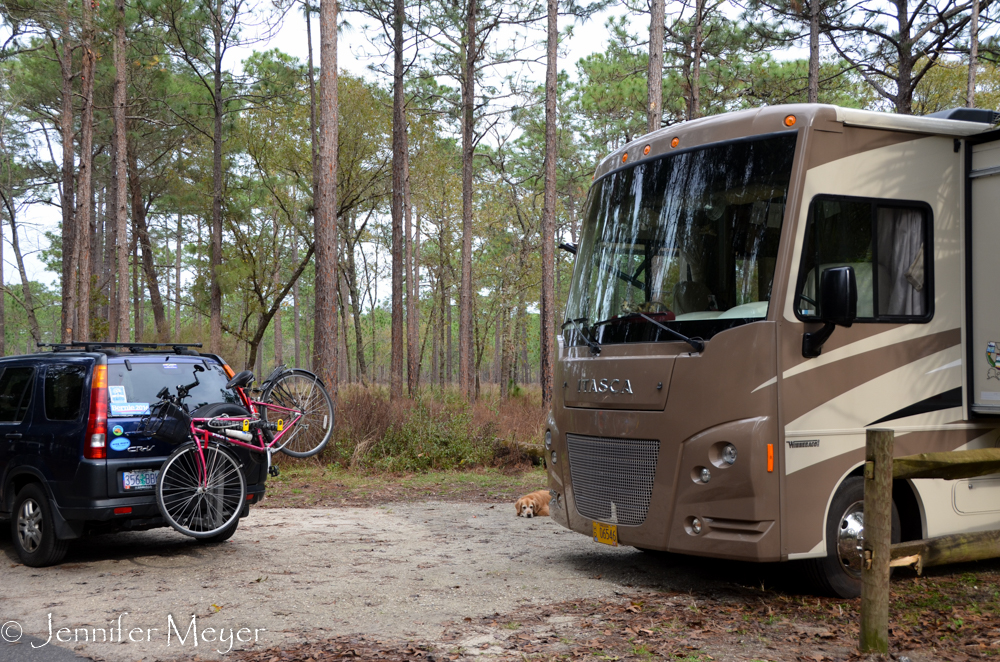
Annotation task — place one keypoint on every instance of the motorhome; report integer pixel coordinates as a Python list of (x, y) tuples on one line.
[(751, 292)]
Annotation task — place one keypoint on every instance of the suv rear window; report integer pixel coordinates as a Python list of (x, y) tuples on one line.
[(15, 393), (64, 391), (130, 392)]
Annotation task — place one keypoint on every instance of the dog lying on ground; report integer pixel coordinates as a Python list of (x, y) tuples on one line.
[(535, 504)]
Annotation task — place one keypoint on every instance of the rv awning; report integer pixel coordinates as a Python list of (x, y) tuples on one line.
[(911, 123)]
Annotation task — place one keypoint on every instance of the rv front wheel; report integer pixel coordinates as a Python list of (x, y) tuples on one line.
[(839, 574)]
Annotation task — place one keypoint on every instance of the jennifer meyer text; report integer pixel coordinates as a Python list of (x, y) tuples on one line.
[(181, 633)]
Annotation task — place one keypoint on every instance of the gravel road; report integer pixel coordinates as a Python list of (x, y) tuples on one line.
[(401, 570)]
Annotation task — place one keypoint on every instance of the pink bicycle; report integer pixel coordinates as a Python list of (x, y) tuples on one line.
[(201, 489)]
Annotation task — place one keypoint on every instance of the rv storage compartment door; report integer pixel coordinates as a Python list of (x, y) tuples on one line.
[(982, 273)]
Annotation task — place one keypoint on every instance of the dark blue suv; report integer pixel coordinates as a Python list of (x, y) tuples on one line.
[(73, 458)]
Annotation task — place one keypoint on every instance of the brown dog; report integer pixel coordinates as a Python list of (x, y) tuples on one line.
[(535, 504)]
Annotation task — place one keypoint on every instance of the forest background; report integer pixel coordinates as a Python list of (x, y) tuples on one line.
[(395, 231)]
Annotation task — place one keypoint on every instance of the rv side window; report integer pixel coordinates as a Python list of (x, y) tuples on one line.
[(886, 242)]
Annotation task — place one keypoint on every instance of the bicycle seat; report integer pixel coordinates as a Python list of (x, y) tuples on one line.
[(241, 379)]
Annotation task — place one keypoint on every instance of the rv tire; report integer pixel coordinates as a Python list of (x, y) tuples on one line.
[(839, 573)]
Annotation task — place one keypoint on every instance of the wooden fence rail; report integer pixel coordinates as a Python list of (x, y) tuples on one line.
[(880, 555)]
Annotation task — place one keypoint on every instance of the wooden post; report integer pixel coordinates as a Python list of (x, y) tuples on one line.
[(878, 537)]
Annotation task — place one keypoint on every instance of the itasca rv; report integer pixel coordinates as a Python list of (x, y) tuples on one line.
[(751, 292)]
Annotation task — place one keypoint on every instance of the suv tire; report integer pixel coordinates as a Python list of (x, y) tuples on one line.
[(32, 528)]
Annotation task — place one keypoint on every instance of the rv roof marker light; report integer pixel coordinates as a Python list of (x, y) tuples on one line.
[(624, 157), (645, 150), (674, 142), (790, 120)]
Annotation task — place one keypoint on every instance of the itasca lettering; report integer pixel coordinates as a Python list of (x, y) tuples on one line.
[(604, 386)]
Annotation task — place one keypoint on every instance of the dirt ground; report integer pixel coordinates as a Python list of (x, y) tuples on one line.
[(433, 579)]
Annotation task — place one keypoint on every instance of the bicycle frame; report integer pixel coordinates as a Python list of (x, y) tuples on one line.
[(203, 435)]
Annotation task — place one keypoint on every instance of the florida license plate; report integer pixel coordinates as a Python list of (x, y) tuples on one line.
[(606, 534), (139, 480)]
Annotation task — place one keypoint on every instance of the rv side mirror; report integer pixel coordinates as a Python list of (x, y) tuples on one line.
[(838, 296), (838, 305)]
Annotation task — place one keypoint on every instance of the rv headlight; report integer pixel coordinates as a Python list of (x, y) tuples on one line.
[(706, 475), (696, 525), (554, 458), (548, 441), (729, 454)]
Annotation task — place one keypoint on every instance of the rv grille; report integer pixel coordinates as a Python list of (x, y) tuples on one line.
[(612, 478)]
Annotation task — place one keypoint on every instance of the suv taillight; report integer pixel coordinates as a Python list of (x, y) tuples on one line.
[(95, 445)]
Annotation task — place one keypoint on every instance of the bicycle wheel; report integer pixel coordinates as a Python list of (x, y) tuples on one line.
[(196, 507), (303, 392)]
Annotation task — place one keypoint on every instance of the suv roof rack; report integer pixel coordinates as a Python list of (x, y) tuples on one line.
[(134, 347)]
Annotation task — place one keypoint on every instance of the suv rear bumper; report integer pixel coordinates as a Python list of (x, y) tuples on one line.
[(143, 513)]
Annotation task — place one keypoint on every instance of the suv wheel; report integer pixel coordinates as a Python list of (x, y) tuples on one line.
[(33, 529)]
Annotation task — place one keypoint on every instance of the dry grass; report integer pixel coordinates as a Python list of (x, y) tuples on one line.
[(435, 431)]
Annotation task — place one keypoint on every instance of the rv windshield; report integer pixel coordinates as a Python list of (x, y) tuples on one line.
[(687, 241)]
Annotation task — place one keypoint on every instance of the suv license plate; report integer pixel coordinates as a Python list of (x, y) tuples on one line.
[(606, 534), (139, 480)]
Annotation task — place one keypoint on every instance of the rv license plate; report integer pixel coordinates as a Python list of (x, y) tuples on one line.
[(606, 534), (139, 480)]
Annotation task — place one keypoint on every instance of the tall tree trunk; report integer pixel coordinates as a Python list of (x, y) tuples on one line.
[(85, 221), (450, 359), (27, 300), (177, 279), (435, 344), (654, 73), (279, 357), (295, 305), (814, 51), (904, 88), (121, 213), (970, 95), (696, 61), (215, 297), (314, 150), (412, 290), (69, 251), (470, 46), (325, 338), (97, 241), (547, 317), (441, 322), (136, 289), (141, 230), (344, 300), (314, 140), (110, 266), (398, 176)]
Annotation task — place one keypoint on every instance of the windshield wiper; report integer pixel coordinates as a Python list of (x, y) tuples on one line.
[(697, 343), (579, 323)]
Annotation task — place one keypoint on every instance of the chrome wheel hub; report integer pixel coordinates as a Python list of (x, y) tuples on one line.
[(29, 525), (851, 538)]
